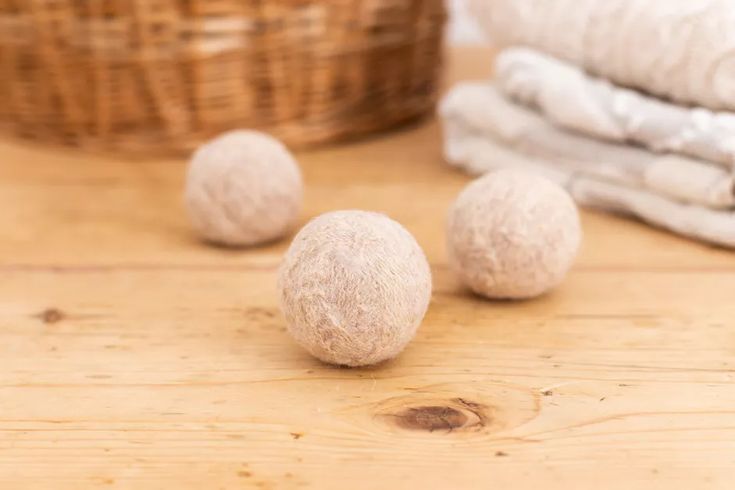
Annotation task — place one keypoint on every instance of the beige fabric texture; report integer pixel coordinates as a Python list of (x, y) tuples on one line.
[(513, 234), (681, 50), (480, 107), (354, 287), (243, 188), (469, 146), (570, 98)]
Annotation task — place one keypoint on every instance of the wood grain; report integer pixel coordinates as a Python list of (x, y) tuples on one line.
[(133, 356)]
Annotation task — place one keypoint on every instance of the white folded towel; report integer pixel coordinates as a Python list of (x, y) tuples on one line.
[(570, 98), (682, 50), (484, 131), (481, 108)]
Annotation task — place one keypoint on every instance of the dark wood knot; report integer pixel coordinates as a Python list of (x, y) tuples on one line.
[(456, 414), (430, 418), (51, 315)]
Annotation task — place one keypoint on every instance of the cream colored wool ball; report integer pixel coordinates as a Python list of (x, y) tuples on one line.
[(354, 287), (513, 235), (243, 188)]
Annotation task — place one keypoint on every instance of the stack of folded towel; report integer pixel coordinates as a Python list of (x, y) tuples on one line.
[(617, 142)]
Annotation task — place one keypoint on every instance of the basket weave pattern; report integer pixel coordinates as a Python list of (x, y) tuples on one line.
[(147, 75)]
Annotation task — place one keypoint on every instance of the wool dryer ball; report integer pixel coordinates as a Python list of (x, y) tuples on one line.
[(243, 188), (354, 287), (513, 235)]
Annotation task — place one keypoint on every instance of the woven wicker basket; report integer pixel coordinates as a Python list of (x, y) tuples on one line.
[(162, 75)]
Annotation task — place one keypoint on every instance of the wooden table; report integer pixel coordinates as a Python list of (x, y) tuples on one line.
[(134, 356)]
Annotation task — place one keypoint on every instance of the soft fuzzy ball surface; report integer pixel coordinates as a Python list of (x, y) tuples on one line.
[(354, 287), (243, 188), (513, 235)]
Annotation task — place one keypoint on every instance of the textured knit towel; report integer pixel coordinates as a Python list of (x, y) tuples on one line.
[(570, 98), (481, 108), (484, 131), (682, 50)]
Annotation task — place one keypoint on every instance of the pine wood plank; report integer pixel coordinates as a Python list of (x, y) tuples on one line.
[(133, 356)]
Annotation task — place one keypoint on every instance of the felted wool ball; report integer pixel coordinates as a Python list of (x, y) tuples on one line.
[(243, 188), (513, 234), (354, 287)]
